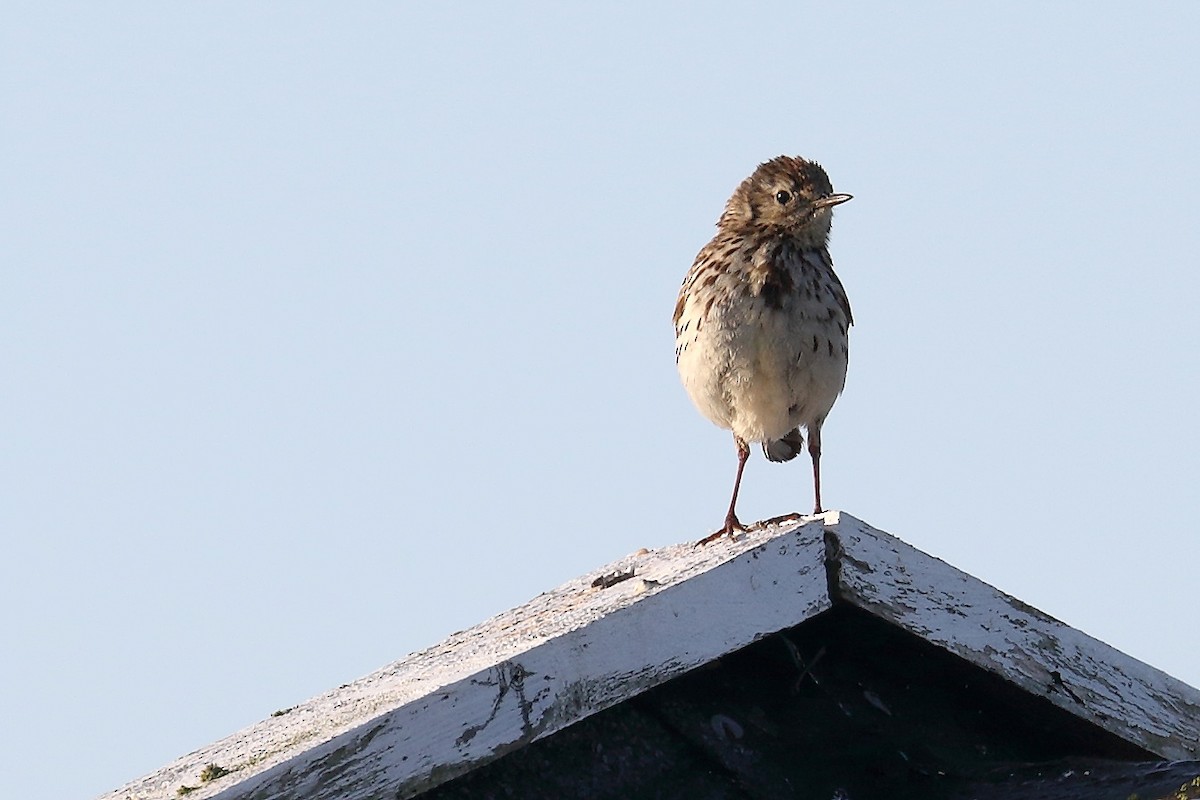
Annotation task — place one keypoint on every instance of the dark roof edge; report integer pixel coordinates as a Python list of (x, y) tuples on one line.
[(998, 633)]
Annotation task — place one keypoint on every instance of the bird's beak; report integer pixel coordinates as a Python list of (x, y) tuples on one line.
[(831, 200)]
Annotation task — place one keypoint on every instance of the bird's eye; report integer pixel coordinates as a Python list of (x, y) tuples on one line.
[(783, 197)]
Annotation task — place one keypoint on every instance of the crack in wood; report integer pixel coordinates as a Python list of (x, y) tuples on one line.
[(506, 676)]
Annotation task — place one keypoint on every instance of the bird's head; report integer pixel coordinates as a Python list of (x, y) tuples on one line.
[(788, 194)]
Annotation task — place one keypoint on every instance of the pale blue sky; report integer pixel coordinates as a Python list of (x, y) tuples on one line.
[(328, 331)]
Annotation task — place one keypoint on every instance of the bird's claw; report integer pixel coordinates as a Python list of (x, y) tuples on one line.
[(731, 528), (782, 518)]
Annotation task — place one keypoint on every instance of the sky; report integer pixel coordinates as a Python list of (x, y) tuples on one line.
[(327, 330)]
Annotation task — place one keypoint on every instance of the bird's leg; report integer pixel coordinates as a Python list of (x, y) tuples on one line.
[(732, 524), (731, 520), (814, 450)]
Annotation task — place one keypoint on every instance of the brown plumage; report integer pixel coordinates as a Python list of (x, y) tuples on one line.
[(762, 320)]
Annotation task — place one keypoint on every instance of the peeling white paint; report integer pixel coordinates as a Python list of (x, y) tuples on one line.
[(578, 649), (517, 677), (1002, 635)]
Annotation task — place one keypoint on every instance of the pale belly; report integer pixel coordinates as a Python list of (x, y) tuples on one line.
[(763, 376)]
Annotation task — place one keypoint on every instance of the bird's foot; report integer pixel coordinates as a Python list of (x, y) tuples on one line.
[(732, 527), (782, 518)]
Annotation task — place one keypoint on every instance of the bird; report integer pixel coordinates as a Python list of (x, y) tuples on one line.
[(762, 321)]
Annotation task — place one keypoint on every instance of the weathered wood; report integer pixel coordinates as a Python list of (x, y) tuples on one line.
[(843, 705), (611, 635), (520, 676), (1002, 635)]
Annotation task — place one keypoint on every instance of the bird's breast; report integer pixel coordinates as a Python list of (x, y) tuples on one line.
[(763, 346)]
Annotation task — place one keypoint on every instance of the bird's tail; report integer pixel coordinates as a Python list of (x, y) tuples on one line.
[(784, 449)]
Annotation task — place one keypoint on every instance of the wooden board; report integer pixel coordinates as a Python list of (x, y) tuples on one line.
[(574, 651), (1002, 635), (518, 677)]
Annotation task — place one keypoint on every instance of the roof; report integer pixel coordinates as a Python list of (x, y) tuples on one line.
[(614, 635)]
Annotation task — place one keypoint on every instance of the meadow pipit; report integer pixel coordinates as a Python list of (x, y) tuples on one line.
[(761, 323)]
